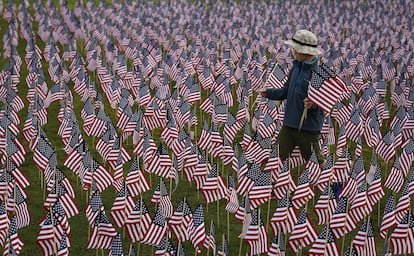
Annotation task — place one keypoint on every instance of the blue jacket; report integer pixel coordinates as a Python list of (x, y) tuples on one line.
[(294, 92)]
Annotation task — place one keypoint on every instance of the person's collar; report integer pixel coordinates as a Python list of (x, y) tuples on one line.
[(305, 63), (310, 62)]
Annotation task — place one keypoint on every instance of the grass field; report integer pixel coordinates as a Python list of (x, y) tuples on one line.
[(213, 212)]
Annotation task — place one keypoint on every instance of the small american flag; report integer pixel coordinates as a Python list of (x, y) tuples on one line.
[(326, 88)]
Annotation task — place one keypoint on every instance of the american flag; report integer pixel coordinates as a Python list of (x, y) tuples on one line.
[(210, 241), (277, 248), (135, 181), (18, 202), (63, 249), (359, 208), (404, 202), (325, 244), (13, 241), (284, 217), (364, 240), (261, 190), (165, 248), (400, 238), (181, 222), (326, 173), (388, 218), (303, 233), (161, 197), (246, 180), (116, 246), (156, 230), (231, 127), (160, 163), (375, 190), (198, 231), (353, 126), (231, 196), (277, 77), (372, 129), (326, 205), (214, 187), (170, 131), (138, 221), (4, 223), (326, 88), (303, 191), (256, 235), (122, 206), (385, 148), (314, 170), (284, 182), (223, 249), (395, 178), (102, 233), (338, 221)]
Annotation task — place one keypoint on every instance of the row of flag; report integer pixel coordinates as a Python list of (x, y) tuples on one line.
[(182, 88)]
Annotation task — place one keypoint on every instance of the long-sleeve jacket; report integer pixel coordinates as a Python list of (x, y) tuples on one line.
[(294, 92)]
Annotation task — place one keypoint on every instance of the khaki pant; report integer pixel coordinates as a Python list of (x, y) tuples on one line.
[(289, 138)]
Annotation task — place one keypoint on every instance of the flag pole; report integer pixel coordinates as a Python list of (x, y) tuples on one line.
[(329, 217), (343, 238), (211, 226), (140, 223), (406, 249), (218, 203), (228, 216)]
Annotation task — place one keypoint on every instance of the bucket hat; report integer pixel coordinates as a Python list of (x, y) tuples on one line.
[(304, 41)]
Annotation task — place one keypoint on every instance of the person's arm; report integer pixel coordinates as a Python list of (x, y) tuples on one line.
[(276, 94)]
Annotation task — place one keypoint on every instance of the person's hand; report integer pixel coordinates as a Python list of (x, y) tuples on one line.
[(307, 103), (262, 91)]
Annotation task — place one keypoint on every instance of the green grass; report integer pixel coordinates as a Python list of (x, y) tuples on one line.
[(79, 226)]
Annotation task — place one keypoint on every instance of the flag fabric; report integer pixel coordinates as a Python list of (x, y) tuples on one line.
[(231, 196), (284, 217), (261, 190), (388, 218), (400, 238), (277, 77), (364, 240), (326, 205), (156, 230), (338, 221), (325, 244), (161, 197), (223, 249), (198, 231), (122, 206), (284, 181), (277, 248), (135, 181), (303, 192), (214, 187), (165, 248), (138, 221), (102, 233), (326, 88), (303, 233), (116, 246), (256, 235), (210, 241), (13, 241), (181, 222)]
